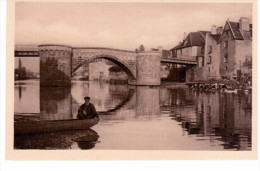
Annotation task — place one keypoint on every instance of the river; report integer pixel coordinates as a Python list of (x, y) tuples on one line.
[(139, 117)]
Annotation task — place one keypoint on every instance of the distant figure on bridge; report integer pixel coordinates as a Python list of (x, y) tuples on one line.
[(87, 110)]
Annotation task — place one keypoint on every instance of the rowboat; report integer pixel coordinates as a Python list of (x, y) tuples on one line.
[(32, 127)]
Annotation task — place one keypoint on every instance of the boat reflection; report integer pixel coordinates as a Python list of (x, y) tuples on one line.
[(86, 139)]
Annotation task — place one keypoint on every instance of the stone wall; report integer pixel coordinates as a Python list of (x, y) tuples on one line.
[(55, 65), (243, 56), (192, 73), (148, 68)]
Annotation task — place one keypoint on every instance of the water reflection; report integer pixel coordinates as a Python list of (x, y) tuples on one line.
[(85, 139), (21, 89), (139, 117), (147, 101), (55, 103), (224, 117)]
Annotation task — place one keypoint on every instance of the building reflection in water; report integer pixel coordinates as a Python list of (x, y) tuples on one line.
[(221, 117), (55, 103), (147, 100)]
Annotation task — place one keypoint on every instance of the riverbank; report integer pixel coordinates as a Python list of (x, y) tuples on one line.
[(227, 84), (168, 84)]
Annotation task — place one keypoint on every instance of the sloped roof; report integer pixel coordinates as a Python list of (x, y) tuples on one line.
[(235, 30), (193, 39), (176, 47), (216, 37), (204, 33)]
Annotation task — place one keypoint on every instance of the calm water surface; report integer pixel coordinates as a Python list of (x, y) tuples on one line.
[(137, 118)]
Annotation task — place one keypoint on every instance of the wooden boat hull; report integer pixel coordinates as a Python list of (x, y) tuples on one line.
[(32, 127)]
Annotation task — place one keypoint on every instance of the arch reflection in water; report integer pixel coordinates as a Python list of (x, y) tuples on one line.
[(147, 100), (105, 97), (55, 103), (85, 139)]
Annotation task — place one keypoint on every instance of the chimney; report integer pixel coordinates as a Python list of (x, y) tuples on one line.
[(214, 29), (160, 48), (220, 30), (243, 24)]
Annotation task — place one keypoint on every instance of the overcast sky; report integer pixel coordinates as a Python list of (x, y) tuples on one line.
[(119, 25)]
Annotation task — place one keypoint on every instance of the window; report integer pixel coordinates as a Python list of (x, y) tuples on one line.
[(210, 49), (226, 58), (209, 60), (226, 68), (202, 50), (225, 44), (209, 69)]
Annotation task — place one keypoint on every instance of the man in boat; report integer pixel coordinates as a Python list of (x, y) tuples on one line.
[(87, 110)]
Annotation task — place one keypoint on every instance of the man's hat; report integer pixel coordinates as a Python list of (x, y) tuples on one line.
[(87, 98)]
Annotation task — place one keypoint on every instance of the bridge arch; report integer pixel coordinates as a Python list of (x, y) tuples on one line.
[(125, 67)]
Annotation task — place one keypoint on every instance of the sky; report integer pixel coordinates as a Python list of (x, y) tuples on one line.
[(119, 25)]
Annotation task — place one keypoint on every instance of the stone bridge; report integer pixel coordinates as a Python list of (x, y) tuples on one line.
[(58, 62)]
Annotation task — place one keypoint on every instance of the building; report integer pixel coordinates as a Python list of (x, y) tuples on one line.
[(236, 50), (211, 54), (192, 48), (223, 53)]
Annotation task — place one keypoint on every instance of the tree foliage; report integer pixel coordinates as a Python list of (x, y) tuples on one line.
[(115, 68), (140, 48)]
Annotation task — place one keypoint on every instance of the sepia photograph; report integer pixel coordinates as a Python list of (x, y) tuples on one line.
[(132, 76)]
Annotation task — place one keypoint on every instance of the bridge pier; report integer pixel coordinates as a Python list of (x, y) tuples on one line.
[(55, 65), (148, 68)]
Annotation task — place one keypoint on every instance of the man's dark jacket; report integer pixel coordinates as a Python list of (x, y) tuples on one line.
[(89, 109)]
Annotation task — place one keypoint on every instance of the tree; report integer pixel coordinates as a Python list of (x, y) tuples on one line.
[(115, 68), (141, 48)]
